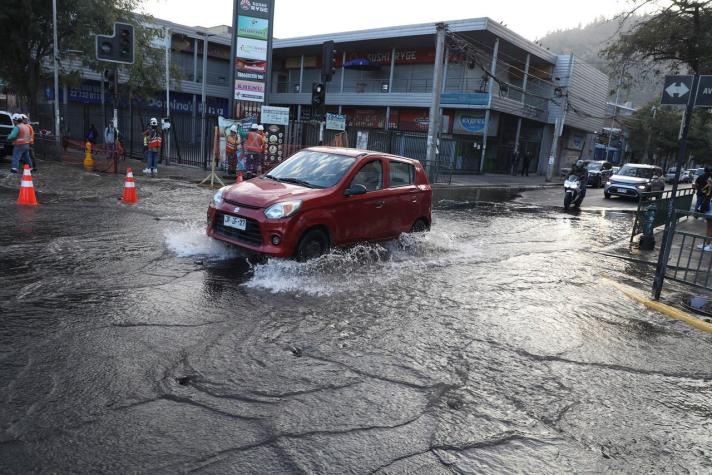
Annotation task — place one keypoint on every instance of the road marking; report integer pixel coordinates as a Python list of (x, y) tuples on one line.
[(671, 312)]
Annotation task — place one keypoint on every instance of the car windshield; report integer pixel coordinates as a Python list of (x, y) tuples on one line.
[(312, 169), (637, 172), (5, 120), (594, 167)]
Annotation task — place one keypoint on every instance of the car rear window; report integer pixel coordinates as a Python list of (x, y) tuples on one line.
[(402, 174), (5, 119)]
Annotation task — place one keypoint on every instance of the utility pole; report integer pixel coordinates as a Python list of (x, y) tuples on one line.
[(615, 113), (202, 100), (56, 72), (670, 222), (168, 93), (434, 123), (558, 131), (654, 110)]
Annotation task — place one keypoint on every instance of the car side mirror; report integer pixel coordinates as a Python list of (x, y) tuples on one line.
[(357, 189)]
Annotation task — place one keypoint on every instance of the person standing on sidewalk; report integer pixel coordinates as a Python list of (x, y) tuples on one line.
[(20, 138), (515, 161), (110, 134), (232, 149), (152, 136), (254, 148), (525, 163), (26, 121)]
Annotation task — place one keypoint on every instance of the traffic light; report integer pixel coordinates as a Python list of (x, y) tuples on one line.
[(318, 95), (109, 77), (117, 48), (328, 61)]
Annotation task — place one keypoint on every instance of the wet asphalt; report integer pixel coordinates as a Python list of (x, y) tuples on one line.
[(130, 342)]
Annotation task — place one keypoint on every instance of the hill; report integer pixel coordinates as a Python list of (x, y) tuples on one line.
[(586, 42)]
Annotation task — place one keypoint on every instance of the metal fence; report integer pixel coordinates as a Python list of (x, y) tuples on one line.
[(690, 255), (659, 201)]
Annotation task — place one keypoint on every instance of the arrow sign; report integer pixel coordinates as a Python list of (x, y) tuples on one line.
[(676, 90)]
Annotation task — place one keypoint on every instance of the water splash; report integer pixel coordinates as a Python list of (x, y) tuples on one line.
[(191, 240)]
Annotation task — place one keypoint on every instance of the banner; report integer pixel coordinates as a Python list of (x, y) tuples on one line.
[(249, 91), (224, 130), (275, 144), (255, 28)]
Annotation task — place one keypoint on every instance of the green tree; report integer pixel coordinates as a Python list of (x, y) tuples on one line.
[(676, 34), (26, 44)]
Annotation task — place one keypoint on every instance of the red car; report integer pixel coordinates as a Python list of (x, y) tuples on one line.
[(323, 197)]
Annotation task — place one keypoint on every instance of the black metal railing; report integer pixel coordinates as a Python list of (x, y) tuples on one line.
[(690, 259), (660, 201)]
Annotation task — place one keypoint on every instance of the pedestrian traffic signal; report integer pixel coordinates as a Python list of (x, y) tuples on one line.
[(328, 61), (117, 48), (318, 95), (109, 77)]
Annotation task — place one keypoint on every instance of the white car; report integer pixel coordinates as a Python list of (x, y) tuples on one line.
[(6, 126)]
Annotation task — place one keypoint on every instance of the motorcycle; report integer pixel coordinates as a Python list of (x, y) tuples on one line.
[(573, 194)]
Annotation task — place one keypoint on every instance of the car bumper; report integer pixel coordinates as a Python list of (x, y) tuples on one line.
[(257, 237), (631, 191)]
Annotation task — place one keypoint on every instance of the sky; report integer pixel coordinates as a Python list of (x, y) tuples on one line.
[(531, 19)]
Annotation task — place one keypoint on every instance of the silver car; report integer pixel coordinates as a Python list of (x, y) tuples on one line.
[(633, 179)]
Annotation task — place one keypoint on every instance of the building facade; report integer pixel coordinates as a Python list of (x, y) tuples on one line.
[(511, 94)]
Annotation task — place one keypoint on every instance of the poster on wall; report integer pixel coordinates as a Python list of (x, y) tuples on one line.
[(362, 140), (253, 25), (335, 121), (275, 144), (275, 115)]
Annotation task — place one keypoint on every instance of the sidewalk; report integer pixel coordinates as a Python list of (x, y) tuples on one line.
[(502, 180)]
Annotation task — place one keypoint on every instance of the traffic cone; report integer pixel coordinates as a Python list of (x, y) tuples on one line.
[(27, 189), (129, 188), (239, 177)]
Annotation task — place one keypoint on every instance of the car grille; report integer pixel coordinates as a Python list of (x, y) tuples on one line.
[(240, 205), (250, 235)]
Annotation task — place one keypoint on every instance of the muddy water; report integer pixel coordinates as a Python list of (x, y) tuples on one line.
[(130, 342)]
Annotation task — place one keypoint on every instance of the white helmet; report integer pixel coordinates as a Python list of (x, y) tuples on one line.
[(579, 163), (260, 128), (16, 117), (233, 128), (254, 127), (154, 121)]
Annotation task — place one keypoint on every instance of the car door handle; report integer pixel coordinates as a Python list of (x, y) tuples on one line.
[(379, 204)]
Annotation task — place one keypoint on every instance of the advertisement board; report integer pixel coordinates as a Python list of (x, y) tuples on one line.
[(275, 115), (249, 91), (335, 121), (275, 144), (469, 123), (252, 45)]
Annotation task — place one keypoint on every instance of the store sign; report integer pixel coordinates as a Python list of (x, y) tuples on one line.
[(249, 91), (251, 27), (335, 121), (469, 123), (253, 48), (275, 115)]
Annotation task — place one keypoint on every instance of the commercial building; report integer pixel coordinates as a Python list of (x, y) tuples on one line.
[(513, 95)]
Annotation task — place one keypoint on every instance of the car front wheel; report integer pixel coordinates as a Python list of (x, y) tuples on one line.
[(420, 226), (313, 244)]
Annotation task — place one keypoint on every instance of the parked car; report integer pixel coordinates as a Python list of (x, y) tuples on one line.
[(615, 170), (6, 126), (323, 197), (695, 173), (598, 172), (686, 176), (633, 179)]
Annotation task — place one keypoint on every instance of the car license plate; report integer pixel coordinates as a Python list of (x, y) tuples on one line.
[(235, 222)]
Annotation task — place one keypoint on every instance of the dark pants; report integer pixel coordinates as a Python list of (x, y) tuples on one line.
[(525, 168)]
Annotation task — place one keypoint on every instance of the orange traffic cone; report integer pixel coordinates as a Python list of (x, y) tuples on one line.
[(239, 177), (27, 189), (129, 188)]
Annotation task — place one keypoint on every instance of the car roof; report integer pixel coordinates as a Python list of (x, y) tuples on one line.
[(357, 152), (640, 165)]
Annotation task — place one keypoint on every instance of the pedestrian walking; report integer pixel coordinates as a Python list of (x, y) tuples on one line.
[(254, 149), (20, 138), (525, 163), (515, 161), (92, 135), (153, 140)]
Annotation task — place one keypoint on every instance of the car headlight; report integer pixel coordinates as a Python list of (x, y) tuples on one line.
[(642, 187), (608, 183), (218, 196), (283, 209)]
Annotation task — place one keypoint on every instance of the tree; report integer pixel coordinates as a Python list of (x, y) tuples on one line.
[(676, 33), (26, 44)]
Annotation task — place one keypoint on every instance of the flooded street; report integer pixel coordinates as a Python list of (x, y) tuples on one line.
[(131, 342)]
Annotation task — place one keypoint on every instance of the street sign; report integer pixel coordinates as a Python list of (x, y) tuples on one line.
[(704, 92), (676, 90)]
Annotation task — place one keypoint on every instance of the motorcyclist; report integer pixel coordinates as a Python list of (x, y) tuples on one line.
[(581, 172)]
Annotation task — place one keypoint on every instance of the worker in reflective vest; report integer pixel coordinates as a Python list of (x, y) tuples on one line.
[(232, 149), (254, 149), (26, 121), (20, 136), (152, 137)]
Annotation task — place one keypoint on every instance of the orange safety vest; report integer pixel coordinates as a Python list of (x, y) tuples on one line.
[(154, 141), (23, 136), (255, 143), (32, 134), (231, 144)]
